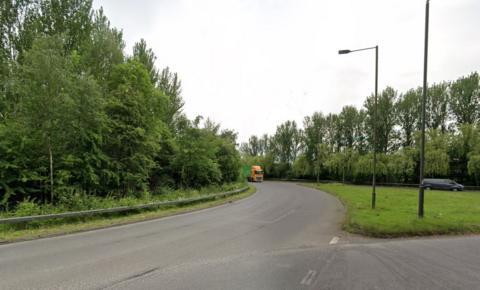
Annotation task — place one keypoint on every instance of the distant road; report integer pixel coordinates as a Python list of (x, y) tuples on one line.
[(284, 237)]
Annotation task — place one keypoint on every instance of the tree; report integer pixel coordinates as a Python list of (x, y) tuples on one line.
[(287, 142), (17, 27), (360, 133), (171, 85), (436, 154), (16, 36), (163, 173), (348, 118), (226, 156), (437, 106), (70, 18), (229, 135), (408, 111), (320, 158), (46, 79), (401, 164), (103, 50), (21, 165), (332, 132), (84, 159), (264, 143), (386, 119), (301, 167), (196, 161), (341, 163), (78, 117), (132, 142), (314, 133), (474, 166), (254, 146), (465, 99), (464, 142), (363, 167), (147, 57), (228, 159)]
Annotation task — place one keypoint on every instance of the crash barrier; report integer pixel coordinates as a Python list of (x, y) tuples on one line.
[(83, 213)]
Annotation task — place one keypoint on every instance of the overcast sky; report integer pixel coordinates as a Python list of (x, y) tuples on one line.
[(252, 64)]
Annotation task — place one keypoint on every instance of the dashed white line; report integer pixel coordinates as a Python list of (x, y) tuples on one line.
[(307, 280), (334, 240)]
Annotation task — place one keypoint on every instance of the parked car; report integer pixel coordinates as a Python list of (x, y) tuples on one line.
[(446, 184)]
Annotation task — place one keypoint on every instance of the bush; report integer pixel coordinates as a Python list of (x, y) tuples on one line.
[(28, 208)]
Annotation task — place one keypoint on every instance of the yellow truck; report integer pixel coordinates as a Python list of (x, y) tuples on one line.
[(256, 174)]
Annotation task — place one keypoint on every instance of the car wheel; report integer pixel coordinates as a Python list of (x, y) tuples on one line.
[(427, 188), (455, 189)]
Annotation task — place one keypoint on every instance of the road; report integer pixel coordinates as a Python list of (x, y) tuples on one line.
[(284, 237)]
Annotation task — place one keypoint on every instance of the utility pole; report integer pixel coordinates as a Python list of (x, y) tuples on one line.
[(374, 177), (424, 99), (374, 173)]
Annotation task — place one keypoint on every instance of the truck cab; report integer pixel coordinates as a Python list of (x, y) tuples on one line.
[(256, 174)]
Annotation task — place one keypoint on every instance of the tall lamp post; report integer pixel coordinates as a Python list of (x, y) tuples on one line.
[(424, 98), (345, 51)]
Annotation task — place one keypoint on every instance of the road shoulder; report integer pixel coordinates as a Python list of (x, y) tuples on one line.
[(98, 223)]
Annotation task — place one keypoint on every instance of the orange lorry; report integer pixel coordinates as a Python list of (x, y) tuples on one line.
[(256, 174)]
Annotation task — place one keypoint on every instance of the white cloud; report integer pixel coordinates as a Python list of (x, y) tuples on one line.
[(253, 64)]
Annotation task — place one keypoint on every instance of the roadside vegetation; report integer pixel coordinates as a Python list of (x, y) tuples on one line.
[(90, 202), (87, 123), (33, 230), (395, 215), (339, 146)]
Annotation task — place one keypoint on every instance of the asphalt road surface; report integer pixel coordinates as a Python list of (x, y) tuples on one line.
[(284, 237)]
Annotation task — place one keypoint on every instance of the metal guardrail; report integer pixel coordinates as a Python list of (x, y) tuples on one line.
[(83, 213), (416, 185)]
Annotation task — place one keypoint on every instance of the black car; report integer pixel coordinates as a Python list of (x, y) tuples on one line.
[(446, 184)]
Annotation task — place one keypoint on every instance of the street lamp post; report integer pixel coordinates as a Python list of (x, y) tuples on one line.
[(424, 98), (345, 51)]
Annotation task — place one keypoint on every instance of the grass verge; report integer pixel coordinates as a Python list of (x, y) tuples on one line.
[(67, 226), (395, 215)]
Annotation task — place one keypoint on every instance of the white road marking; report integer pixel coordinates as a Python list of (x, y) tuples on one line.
[(307, 280), (334, 240), (282, 216)]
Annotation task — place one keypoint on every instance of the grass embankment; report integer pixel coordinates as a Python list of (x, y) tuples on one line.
[(395, 215), (18, 232)]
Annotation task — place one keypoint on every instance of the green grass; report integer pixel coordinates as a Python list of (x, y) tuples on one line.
[(395, 214), (9, 233)]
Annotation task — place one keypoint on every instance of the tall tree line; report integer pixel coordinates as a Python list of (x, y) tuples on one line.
[(339, 146), (78, 115)]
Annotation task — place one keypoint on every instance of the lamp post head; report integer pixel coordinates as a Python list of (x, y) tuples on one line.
[(344, 51)]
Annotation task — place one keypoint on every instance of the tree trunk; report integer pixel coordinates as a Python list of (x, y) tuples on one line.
[(51, 170)]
